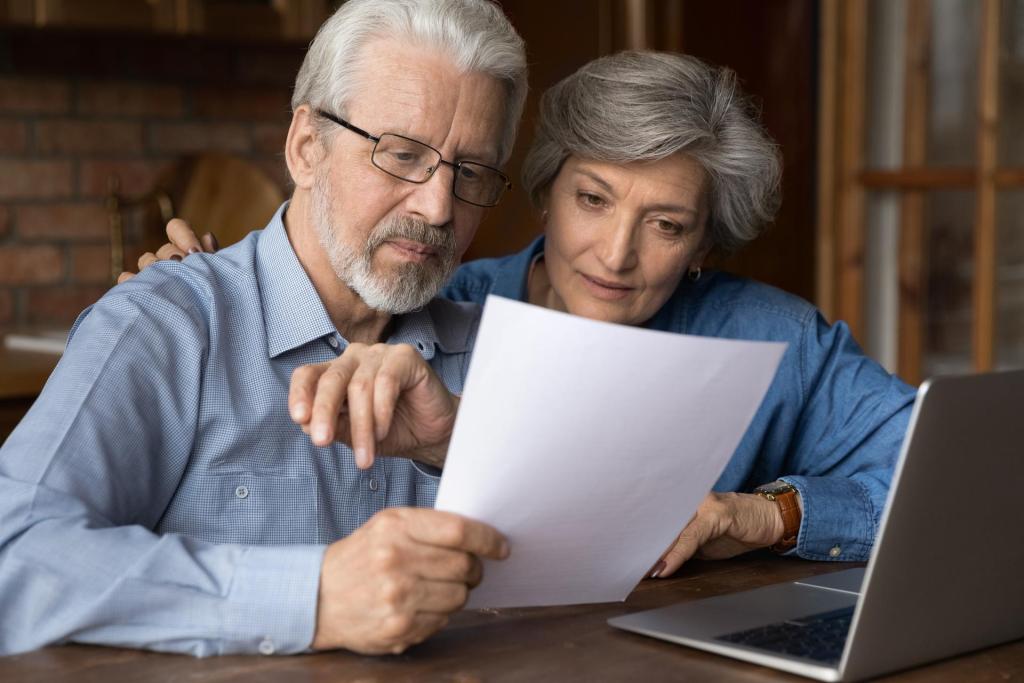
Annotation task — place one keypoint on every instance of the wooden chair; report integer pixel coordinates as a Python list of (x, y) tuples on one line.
[(226, 195), (213, 192)]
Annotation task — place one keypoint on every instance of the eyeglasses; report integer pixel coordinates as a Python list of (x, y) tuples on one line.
[(415, 162)]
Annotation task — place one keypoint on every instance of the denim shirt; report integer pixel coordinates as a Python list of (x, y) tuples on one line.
[(158, 495), (831, 423)]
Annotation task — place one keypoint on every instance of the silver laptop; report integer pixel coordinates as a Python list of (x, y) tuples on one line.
[(944, 574)]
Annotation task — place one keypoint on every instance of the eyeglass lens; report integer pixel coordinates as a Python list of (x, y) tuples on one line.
[(416, 162)]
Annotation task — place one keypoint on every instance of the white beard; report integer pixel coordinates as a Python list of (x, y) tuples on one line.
[(412, 285)]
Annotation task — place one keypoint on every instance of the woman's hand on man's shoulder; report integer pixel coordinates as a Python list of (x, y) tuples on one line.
[(182, 242)]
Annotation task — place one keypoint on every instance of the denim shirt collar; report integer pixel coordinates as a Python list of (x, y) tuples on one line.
[(294, 314), (512, 277), (672, 316)]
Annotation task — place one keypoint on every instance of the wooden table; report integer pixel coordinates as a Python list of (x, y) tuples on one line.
[(540, 644), (22, 376), (23, 373)]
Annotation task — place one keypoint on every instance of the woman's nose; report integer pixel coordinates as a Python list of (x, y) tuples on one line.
[(618, 248)]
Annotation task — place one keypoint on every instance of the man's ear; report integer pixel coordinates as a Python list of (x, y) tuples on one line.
[(303, 149)]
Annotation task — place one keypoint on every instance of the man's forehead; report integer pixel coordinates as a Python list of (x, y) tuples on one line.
[(420, 93)]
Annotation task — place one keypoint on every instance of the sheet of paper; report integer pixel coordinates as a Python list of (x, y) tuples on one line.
[(590, 445)]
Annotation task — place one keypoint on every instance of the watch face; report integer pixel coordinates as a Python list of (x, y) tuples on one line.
[(775, 488)]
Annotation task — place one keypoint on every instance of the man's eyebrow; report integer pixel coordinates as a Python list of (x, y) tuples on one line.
[(667, 208), (478, 157), (474, 155)]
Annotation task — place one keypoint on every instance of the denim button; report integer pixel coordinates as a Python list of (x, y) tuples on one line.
[(242, 492), (835, 551)]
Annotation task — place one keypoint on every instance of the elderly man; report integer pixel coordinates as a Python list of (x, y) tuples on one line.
[(159, 495)]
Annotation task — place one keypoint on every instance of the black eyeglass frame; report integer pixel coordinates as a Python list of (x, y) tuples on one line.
[(455, 165)]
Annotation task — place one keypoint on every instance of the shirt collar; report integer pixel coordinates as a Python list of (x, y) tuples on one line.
[(511, 279), (292, 310), (294, 314)]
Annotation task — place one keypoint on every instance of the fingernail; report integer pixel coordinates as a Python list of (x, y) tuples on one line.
[(213, 241), (320, 433), (299, 412), (658, 569), (175, 257), (503, 550), (195, 250), (362, 459)]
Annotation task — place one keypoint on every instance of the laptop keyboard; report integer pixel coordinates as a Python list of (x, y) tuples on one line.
[(820, 637)]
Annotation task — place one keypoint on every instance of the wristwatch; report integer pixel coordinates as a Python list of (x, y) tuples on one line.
[(786, 497)]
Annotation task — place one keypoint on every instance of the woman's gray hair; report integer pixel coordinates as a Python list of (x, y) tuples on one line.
[(644, 106), (475, 34)]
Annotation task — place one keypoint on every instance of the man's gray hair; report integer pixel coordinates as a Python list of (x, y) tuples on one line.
[(644, 106), (475, 34)]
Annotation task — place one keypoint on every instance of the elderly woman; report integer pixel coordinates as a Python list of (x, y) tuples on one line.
[(643, 164)]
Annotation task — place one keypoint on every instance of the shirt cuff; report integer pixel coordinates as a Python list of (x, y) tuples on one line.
[(839, 521), (271, 607)]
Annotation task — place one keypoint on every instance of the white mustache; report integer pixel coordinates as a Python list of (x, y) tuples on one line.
[(442, 239)]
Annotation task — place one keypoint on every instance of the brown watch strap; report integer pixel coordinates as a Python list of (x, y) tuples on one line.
[(789, 508)]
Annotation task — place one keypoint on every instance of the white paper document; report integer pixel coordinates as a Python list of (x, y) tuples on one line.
[(590, 446)]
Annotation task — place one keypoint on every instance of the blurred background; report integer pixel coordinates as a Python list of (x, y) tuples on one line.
[(900, 122)]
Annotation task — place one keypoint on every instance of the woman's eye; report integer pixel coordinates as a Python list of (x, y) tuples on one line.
[(670, 228), (590, 199)]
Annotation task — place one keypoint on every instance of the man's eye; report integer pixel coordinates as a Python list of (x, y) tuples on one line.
[(467, 173), (403, 157)]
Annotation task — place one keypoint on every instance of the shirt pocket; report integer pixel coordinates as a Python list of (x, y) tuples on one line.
[(247, 508)]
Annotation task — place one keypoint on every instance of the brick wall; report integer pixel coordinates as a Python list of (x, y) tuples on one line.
[(77, 108)]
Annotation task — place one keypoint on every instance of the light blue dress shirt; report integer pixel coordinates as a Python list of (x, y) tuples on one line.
[(157, 494), (831, 423)]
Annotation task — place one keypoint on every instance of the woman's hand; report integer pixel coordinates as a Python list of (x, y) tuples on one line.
[(726, 525), (379, 399), (183, 241)]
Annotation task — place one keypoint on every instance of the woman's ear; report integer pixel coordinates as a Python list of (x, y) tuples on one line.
[(702, 254), (303, 149), (543, 200)]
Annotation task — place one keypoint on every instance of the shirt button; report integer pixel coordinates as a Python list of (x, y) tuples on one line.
[(374, 484), (834, 551), (333, 341), (266, 646), (242, 492)]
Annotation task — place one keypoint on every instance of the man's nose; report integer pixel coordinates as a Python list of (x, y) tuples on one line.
[(432, 201)]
